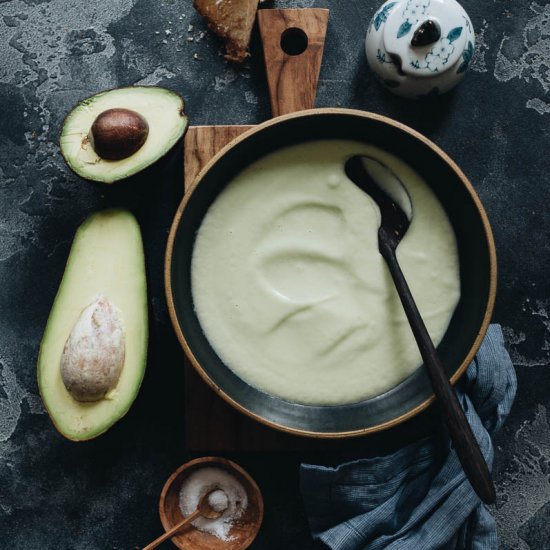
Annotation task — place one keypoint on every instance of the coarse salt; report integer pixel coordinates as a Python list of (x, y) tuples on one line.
[(230, 496), (218, 500)]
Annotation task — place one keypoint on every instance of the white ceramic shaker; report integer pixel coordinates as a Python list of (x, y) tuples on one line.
[(420, 48)]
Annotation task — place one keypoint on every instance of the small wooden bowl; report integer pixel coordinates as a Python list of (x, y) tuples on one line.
[(244, 529)]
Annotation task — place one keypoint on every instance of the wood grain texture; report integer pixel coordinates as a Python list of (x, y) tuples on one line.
[(292, 79), (202, 143)]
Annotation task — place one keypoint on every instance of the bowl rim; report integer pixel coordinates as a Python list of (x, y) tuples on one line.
[(323, 112)]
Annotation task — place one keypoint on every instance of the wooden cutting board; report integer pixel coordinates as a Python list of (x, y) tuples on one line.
[(211, 424)]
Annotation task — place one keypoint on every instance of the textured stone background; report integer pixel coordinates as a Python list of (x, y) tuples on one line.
[(103, 494)]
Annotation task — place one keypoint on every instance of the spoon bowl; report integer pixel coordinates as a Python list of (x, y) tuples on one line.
[(384, 186), (205, 508)]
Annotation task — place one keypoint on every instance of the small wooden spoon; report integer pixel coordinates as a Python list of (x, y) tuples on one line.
[(203, 509), (394, 225)]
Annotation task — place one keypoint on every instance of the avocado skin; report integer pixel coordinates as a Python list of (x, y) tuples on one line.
[(140, 365)]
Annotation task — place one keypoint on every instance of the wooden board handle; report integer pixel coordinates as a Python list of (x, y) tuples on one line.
[(293, 42)]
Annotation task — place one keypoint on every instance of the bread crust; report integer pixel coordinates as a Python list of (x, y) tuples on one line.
[(232, 21)]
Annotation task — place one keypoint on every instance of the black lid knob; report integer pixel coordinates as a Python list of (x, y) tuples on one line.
[(428, 33)]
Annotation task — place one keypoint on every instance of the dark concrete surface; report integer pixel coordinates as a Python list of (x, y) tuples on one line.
[(103, 494)]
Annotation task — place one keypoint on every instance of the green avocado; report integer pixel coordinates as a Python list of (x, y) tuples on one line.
[(118, 133), (94, 350)]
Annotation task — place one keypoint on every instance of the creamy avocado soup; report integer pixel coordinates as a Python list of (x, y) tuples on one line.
[(291, 290)]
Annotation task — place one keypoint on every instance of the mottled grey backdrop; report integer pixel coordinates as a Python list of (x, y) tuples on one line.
[(103, 494)]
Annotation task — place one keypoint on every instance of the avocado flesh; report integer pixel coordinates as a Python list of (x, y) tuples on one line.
[(161, 108), (106, 259)]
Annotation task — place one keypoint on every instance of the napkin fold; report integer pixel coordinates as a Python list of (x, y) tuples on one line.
[(417, 498)]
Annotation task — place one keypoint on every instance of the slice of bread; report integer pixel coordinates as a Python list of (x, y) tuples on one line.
[(232, 20)]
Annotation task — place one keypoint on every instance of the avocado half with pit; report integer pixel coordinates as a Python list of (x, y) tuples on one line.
[(94, 349), (118, 133)]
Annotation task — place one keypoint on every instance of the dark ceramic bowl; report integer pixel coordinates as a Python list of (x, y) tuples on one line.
[(476, 256)]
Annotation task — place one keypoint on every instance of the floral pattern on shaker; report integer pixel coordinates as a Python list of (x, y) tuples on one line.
[(415, 9), (467, 55), (382, 58), (382, 16), (413, 13), (439, 55)]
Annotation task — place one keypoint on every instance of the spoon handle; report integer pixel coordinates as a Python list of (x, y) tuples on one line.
[(172, 531), (464, 441)]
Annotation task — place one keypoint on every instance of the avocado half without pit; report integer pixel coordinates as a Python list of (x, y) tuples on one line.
[(116, 134)]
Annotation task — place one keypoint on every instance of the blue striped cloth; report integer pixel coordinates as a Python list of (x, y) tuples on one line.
[(418, 497)]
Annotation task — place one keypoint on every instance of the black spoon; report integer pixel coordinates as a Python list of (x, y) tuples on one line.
[(391, 197)]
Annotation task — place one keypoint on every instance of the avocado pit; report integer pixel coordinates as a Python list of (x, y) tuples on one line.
[(93, 355), (118, 133)]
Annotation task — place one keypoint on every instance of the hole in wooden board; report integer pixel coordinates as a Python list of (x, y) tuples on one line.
[(294, 41)]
